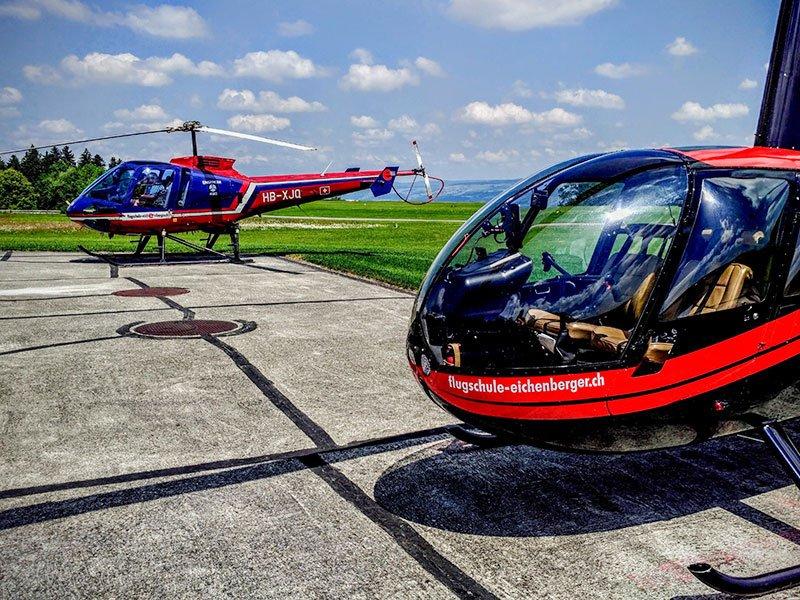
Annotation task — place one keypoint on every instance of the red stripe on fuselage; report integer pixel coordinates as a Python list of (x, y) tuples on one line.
[(681, 378)]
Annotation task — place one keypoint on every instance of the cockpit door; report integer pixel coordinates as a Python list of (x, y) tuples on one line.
[(725, 281)]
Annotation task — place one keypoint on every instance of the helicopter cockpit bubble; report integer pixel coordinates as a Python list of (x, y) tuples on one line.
[(128, 185), (553, 260)]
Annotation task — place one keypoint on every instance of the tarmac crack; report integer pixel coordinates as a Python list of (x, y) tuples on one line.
[(404, 535), (60, 344)]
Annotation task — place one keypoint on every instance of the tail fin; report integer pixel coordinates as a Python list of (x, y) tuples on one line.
[(780, 108), (384, 182)]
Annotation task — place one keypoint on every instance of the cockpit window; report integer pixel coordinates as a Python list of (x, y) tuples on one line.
[(594, 245), (113, 186), (563, 269), (728, 253), (153, 186)]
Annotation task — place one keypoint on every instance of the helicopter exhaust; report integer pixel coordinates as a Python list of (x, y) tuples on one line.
[(779, 120)]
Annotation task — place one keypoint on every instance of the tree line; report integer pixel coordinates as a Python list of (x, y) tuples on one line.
[(48, 180)]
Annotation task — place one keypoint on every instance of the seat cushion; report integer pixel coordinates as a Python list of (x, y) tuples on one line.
[(544, 322), (609, 339), (726, 292), (580, 331)]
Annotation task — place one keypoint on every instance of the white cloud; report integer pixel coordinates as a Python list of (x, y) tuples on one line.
[(403, 123), (680, 46), (458, 157), (121, 68), (704, 133), (620, 71), (165, 20), (43, 74), (10, 95), (195, 101), (508, 113), (594, 98), (371, 137), (498, 156), (364, 122), (521, 89), (519, 15), (377, 78), (144, 112), (580, 133), (58, 126), (693, 111), (258, 123), (429, 66), (748, 84), (363, 56), (19, 10), (266, 101), (276, 65), (295, 28)]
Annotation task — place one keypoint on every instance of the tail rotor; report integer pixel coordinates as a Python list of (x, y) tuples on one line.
[(420, 171)]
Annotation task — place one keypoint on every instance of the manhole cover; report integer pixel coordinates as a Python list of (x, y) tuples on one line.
[(184, 329), (151, 292)]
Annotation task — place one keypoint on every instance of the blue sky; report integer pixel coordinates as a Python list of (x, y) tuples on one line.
[(491, 88)]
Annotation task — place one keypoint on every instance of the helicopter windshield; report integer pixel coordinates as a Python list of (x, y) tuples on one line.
[(579, 250), (144, 186)]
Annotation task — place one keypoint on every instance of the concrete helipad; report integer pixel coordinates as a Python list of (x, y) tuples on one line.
[(295, 457)]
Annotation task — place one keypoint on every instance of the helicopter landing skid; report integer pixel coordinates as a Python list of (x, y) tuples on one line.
[(477, 437), (787, 454)]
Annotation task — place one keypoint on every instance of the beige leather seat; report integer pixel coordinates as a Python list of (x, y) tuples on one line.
[(613, 339), (726, 292), (603, 338), (543, 322)]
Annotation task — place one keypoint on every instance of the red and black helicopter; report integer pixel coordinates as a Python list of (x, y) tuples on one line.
[(632, 300), (205, 193)]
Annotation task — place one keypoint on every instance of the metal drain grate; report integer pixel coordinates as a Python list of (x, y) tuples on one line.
[(151, 292), (185, 329)]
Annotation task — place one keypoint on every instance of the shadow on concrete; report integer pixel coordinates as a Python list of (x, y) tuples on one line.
[(523, 491)]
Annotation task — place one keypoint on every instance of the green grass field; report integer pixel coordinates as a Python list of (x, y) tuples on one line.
[(392, 242)]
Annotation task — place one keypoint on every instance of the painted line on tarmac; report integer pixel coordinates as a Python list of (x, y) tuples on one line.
[(5, 256), (764, 521), (408, 538), (206, 306), (371, 446), (188, 314), (60, 344), (404, 535), (60, 291)]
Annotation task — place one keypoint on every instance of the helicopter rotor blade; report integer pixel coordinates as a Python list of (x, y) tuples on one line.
[(422, 170), (254, 138), (97, 139)]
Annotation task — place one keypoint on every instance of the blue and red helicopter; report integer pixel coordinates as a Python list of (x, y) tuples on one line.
[(205, 193), (632, 300)]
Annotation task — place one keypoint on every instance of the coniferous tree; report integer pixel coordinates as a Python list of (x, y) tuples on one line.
[(98, 161), (113, 162), (67, 156), (85, 158), (31, 165), (51, 157), (13, 163), (2, 163)]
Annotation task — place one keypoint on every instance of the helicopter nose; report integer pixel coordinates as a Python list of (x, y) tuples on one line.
[(78, 205)]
